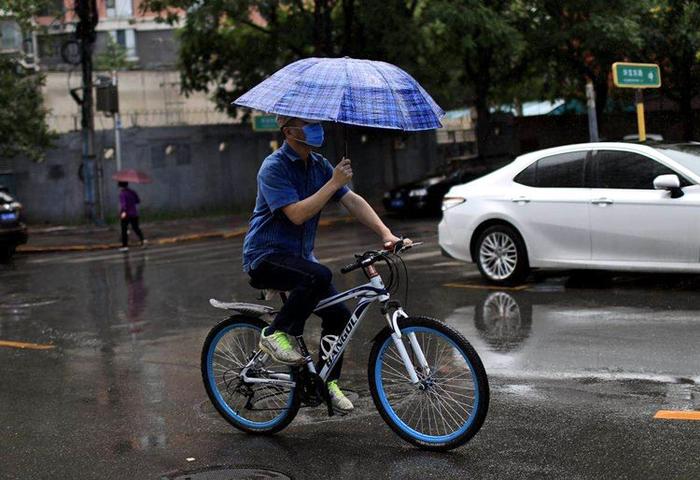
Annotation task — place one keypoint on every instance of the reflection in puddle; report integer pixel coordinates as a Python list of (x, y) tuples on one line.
[(502, 322), (228, 473)]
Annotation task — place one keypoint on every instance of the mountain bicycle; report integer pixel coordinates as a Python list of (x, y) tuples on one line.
[(427, 382)]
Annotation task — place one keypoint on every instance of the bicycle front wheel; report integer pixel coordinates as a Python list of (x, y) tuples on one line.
[(448, 405), (251, 407)]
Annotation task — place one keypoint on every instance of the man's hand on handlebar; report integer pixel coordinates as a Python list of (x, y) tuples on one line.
[(391, 243)]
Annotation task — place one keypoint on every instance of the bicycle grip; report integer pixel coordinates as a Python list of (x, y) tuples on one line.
[(350, 268)]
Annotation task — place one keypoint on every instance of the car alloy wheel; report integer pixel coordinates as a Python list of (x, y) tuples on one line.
[(498, 255)]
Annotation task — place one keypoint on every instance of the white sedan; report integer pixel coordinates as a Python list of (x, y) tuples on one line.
[(609, 206)]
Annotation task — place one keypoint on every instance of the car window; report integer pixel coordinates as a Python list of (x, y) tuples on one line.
[(565, 170), (627, 170), (528, 176)]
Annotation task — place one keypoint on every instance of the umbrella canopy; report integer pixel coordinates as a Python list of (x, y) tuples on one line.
[(346, 90), (132, 176)]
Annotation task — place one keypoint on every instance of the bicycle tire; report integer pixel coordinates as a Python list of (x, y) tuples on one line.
[(209, 378), (478, 376)]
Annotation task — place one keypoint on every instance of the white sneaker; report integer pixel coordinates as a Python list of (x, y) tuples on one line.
[(338, 398), (280, 348)]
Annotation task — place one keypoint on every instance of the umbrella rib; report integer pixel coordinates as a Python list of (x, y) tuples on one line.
[(274, 105), (403, 120)]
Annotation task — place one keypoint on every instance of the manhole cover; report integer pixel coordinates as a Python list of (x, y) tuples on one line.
[(228, 473)]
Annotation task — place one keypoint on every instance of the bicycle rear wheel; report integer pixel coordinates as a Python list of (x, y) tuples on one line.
[(253, 408), (449, 404)]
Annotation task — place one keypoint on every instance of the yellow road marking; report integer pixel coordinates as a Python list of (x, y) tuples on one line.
[(484, 287), (678, 414), (30, 346)]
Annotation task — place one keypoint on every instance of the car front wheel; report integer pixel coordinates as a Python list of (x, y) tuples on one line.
[(501, 255)]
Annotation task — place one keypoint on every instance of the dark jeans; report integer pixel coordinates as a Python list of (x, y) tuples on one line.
[(308, 283), (134, 221)]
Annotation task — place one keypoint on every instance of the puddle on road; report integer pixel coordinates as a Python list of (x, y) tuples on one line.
[(16, 301), (228, 473)]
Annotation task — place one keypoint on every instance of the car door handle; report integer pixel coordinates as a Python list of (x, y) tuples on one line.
[(520, 200), (602, 201)]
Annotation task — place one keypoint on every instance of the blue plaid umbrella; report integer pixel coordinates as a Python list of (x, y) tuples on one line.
[(346, 90)]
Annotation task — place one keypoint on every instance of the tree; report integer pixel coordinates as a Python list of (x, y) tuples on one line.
[(485, 43), (578, 42), (23, 128), (114, 57), (227, 46), (672, 39)]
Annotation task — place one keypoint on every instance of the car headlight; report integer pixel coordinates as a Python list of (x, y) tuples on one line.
[(387, 194), (418, 192), (449, 202)]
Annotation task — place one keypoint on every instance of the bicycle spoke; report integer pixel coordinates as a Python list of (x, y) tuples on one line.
[(259, 402), (443, 401)]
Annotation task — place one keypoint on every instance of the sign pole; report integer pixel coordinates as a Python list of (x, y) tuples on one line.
[(641, 126), (592, 116), (637, 76)]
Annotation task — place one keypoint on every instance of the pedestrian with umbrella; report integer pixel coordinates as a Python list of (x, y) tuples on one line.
[(128, 199), (295, 183)]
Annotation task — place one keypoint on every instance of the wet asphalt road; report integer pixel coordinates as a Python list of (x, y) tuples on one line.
[(578, 367)]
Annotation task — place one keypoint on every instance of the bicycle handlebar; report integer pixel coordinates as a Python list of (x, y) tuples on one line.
[(372, 256)]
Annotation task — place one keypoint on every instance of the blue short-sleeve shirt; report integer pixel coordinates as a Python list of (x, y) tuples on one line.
[(282, 180)]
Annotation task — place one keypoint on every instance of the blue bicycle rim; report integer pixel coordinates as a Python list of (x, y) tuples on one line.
[(390, 411), (217, 394)]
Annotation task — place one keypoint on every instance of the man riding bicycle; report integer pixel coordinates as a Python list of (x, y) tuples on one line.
[(294, 184)]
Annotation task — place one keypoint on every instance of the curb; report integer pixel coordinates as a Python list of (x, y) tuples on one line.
[(192, 237)]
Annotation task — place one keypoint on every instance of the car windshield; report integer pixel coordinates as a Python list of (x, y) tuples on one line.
[(687, 155)]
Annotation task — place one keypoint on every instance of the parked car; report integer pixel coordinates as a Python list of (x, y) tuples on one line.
[(424, 196), (13, 231), (606, 206)]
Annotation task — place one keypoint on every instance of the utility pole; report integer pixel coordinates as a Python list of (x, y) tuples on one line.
[(592, 115), (85, 33), (117, 124)]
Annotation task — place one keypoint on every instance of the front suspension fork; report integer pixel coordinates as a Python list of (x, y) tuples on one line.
[(396, 336)]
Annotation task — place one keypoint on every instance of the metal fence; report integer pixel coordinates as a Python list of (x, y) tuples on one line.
[(143, 118)]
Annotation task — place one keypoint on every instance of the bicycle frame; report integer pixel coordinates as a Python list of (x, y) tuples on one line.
[(371, 292)]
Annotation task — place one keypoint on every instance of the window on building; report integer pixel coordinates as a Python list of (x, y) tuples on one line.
[(119, 8), (52, 8), (127, 39), (10, 36)]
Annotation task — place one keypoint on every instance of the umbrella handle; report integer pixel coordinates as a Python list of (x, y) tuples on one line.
[(345, 139)]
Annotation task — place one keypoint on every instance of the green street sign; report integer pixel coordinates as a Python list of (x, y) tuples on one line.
[(265, 123), (636, 75)]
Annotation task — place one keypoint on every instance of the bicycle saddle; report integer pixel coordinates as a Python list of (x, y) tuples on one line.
[(265, 292)]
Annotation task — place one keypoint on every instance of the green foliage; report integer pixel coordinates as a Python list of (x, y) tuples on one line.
[(226, 46), (114, 57), (23, 130), (465, 52), (672, 39)]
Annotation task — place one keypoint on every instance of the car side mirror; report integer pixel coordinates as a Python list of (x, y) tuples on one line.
[(669, 182)]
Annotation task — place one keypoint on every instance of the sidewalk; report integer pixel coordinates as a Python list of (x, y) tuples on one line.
[(89, 237)]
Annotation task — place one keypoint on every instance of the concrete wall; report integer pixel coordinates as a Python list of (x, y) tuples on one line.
[(205, 168)]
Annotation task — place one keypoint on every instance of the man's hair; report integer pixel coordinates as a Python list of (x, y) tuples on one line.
[(283, 120)]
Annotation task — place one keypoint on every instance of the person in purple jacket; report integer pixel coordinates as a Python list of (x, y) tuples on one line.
[(128, 214)]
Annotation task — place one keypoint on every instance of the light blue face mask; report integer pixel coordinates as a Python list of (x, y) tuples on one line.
[(313, 134)]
